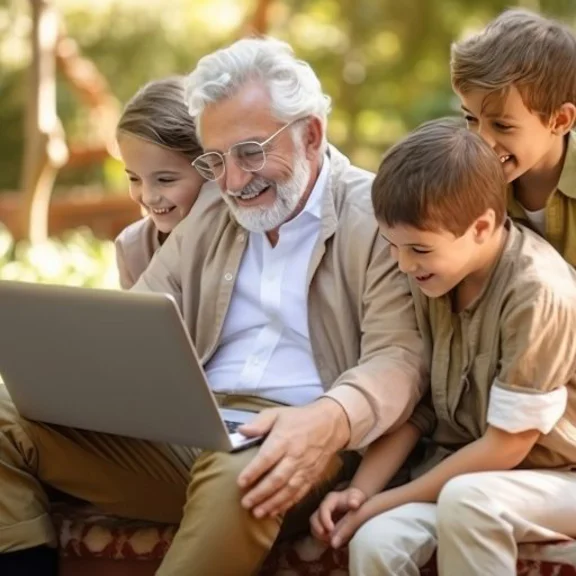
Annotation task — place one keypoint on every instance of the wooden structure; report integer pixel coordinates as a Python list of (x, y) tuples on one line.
[(45, 147), (45, 150)]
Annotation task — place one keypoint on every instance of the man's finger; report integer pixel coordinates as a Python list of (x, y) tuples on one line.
[(287, 505), (278, 471), (261, 425), (268, 456), (278, 488)]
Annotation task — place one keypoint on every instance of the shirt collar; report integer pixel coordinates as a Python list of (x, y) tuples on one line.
[(567, 184), (313, 206), (314, 202), (508, 251)]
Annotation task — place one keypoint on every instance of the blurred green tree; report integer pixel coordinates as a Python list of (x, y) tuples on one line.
[(385, 63)]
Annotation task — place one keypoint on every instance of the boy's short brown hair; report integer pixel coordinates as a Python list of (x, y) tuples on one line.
[(441, 176), (519, 48)]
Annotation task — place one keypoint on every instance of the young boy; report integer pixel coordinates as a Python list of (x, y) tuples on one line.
[(497, 306), (517, 83)]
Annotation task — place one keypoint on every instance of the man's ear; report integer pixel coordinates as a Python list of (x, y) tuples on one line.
[(563, 119), (313, 136), (483, 226)]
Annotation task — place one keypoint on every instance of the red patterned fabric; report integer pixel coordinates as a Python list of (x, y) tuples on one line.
[(86, 533)]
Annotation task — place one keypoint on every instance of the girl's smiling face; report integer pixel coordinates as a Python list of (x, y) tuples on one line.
[(161, 180)]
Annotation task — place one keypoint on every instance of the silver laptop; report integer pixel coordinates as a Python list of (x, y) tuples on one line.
[(110, 361)]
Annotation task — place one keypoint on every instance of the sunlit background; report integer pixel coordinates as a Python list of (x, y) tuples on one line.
[(383, 62)]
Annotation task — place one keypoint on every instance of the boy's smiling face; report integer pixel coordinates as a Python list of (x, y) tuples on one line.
[(438, 261), (523, 141)]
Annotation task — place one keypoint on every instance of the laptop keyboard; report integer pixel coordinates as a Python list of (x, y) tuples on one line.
[(232, 426)]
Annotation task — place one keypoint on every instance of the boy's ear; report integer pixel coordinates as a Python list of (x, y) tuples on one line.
[(563, 119), (484, 226)]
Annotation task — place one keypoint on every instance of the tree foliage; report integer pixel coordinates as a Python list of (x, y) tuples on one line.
[(384, 62)]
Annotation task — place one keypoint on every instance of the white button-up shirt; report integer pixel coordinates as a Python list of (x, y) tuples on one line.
[(265, 345)]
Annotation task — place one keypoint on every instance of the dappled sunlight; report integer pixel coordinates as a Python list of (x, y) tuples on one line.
[(79, 259), (384, 64)]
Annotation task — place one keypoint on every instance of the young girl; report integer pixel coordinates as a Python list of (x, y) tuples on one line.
[(157, 142)]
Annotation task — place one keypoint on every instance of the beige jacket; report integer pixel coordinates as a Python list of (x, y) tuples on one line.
[(363, 330)]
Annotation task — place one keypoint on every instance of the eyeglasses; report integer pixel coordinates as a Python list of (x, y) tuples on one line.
[(249, 156)]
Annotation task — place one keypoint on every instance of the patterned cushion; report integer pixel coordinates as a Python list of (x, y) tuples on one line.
[(84, 532)]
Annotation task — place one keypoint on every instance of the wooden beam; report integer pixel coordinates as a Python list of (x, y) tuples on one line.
[(258, 21), (94, 92), (45, 150)]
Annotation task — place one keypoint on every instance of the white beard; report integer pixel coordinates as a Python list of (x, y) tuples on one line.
[(288, 195)]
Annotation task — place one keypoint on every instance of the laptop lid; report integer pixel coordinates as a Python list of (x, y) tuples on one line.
[(106, 360)]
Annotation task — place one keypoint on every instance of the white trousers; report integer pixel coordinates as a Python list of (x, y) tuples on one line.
[(476, 525)]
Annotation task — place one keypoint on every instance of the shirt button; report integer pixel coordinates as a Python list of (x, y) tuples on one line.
[(240, 237), (228, 277)]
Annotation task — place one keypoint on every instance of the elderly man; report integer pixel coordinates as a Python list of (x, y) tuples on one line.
[(296, 309)]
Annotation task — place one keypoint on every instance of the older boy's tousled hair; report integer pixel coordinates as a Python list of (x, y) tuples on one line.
[(441, 176), (519, 48)]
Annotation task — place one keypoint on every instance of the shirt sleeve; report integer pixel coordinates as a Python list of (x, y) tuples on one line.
[(538, 352), (381, 392)]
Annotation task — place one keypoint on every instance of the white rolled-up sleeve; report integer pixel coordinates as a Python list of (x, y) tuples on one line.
[(516, 412), (538, 361)]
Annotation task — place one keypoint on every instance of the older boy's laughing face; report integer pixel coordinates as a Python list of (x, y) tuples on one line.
[(523, 140), (437, 261)]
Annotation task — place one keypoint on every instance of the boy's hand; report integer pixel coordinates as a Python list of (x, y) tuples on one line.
[(332, 509), (347, 526)]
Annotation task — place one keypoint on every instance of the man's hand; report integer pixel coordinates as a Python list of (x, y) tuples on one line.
[(334, 506), (299, 444)]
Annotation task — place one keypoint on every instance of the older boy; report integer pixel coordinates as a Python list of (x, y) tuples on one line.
[(517, 83), (497, 305)]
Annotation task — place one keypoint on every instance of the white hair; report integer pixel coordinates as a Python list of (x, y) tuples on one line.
[(294, 88)]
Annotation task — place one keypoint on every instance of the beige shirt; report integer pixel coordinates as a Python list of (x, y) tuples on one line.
[(361, 319), (509, 359), (135, 246), (560, 211)]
